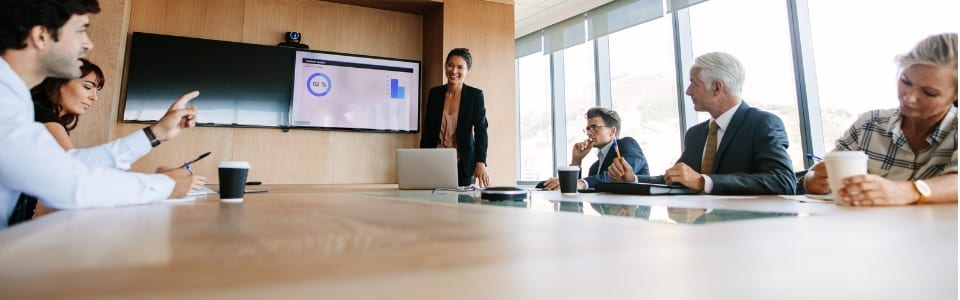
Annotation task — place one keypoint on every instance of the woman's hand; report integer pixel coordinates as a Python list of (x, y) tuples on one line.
[(196, 181), (875, 190), (480, 174)]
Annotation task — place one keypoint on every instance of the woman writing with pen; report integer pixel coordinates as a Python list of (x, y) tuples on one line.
[(912, 149), (58, 105)]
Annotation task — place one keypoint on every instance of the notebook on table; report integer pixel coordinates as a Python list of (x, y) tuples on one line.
[(643, 189), (426, 169)]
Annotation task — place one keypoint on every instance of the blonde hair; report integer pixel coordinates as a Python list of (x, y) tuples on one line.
[(936, 50)]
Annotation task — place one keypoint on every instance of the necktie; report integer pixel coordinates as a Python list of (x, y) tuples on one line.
[(710, 149)]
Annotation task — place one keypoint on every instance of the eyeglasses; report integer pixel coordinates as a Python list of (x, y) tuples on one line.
[(593, 128)]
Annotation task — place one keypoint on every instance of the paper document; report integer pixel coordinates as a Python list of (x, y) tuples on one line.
[(203, 190), (810, 198), (180, 200)]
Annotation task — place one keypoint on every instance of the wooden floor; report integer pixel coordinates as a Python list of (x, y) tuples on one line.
[(374, 242)]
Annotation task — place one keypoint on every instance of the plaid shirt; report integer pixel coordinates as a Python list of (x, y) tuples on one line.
[(878, 134)]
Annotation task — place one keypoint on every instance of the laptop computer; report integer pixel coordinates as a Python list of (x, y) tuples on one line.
[(426, 169)]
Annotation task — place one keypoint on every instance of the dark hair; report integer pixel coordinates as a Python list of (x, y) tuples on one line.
[(461, 52), (609, 116), (18, 16), (47, 93)]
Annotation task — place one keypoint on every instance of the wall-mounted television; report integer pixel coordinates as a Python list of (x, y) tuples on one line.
[(240, 84), (268, 86), (343, 91)]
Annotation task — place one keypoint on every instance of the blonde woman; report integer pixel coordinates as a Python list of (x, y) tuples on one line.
[(912, 149)]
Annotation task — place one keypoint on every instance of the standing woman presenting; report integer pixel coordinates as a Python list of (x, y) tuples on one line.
[(456, 118)]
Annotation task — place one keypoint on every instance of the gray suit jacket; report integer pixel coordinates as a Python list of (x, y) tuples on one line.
[(751, 159)]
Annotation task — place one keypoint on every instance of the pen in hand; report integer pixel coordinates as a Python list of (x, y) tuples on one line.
[(814, 157), (616, 147), (186, 165)]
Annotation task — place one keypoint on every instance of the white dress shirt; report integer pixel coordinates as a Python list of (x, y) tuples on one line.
[(32, 162), (601, 156), (723, 121)]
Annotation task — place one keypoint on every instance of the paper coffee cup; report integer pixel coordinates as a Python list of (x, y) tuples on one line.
[(841, 165), (568, 179), (233, 180)]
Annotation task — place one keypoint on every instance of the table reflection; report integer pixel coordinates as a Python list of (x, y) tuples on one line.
[(654, 213)]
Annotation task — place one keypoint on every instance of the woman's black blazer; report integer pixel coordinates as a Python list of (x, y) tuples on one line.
[(471, 125)]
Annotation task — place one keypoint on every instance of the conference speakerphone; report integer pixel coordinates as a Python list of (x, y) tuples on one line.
[(501, 193)]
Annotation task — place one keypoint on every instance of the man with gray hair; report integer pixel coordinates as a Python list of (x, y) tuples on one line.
[(740, 150)]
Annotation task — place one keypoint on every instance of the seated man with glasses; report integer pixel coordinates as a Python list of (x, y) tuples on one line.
[(603, 127)]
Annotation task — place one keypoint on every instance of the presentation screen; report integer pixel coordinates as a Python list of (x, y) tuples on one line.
[(340, 91), (240, 84)]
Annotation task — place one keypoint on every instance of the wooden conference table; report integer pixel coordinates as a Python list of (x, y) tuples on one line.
[(333, 242)]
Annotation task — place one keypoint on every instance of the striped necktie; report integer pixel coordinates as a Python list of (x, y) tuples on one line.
[(710, 149)]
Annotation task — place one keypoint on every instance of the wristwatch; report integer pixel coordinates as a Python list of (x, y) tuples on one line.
[(154, 141), (923, 189)]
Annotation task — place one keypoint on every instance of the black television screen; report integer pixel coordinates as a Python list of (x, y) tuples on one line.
[(240, 84), (344, 91)]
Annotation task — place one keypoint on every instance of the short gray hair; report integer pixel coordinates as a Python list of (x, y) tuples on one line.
[(936, 50), (723, 67)]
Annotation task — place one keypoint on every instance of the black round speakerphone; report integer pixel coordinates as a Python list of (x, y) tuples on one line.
[(501, 193)]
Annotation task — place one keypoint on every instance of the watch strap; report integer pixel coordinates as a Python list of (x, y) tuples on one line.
[(154, 141)]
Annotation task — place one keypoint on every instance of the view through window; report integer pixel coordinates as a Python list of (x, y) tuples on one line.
[(643, 87), (856, 71), (580, 90), (536, 127), (760, 38)]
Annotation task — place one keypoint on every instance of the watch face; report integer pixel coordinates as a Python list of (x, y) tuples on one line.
[(922, 187)]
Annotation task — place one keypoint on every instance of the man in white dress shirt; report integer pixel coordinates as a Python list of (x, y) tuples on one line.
[(46, 38)]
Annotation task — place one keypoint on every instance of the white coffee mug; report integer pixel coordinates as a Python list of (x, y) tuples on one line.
[(842, 165)]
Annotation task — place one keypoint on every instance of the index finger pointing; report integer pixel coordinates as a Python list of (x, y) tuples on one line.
[(182, 102)]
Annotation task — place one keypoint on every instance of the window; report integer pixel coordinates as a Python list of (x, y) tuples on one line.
[(580, 90), (643, 88), (536, 128), (856, 71), (757, 33)]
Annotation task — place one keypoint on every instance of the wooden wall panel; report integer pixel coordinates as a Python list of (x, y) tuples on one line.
[(431, 68), (208, 19), (487, 29), (377, 32), (314, 156), (298, 156), (188, 145), (270, 19), (97, 125)]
